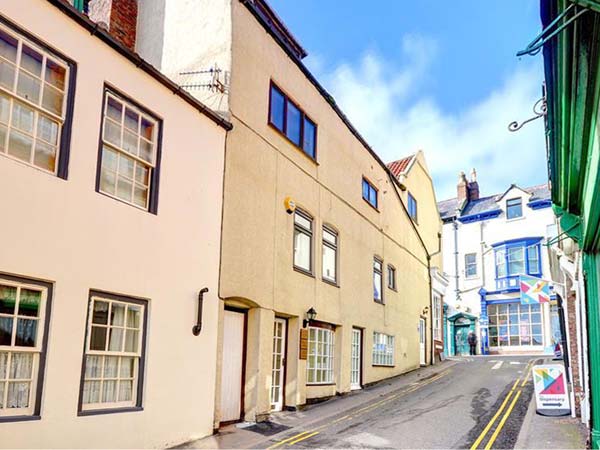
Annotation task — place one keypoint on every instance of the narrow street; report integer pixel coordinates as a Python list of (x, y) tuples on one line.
[(456, 407)]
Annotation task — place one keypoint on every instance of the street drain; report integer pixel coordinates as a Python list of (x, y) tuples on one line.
[(267, 428)]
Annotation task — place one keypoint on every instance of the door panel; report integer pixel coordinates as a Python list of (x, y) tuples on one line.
[(355, 374), (422, 341), (278, 368), (232, 367)]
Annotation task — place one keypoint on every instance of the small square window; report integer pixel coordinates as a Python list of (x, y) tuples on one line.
[(471, 265), (514, 208)]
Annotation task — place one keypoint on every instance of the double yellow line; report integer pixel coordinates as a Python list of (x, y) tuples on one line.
[(313, 432), (516, 389)]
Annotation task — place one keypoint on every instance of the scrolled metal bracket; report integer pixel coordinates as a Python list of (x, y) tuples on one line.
[(540, 109)]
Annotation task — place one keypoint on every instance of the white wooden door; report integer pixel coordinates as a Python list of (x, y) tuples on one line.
[(278, 370), (422, 341), (231, 369), (355, 360)]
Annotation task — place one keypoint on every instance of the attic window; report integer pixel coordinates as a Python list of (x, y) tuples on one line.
[(514, 208)]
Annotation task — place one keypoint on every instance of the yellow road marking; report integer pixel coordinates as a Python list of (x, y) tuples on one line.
[(501, 424), (502, 406), (526, 378), (303, 437), (287, 440)]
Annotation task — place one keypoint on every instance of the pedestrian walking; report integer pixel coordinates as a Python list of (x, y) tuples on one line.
[(472, 341)]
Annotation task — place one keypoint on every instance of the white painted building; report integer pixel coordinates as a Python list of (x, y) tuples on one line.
[(487, 243)]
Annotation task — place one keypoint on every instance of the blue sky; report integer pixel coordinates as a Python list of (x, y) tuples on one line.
[(441, 76)]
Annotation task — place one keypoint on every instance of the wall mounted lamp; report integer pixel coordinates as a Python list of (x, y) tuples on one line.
[(310, 316)]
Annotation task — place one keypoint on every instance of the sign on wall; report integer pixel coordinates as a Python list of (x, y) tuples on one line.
[(551, 393), (303, 344), (534, 290)]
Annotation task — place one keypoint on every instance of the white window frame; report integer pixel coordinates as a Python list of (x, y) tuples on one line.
[(123, 154), (138, 356), (332, 243), (509, 251), (437, 317), (36, 106), (12, 349), (383, 349), (300, 228), (494, 317), (320, 338), (533, 249), (469, 265), (378, 270), (520, 204), (391, 275)]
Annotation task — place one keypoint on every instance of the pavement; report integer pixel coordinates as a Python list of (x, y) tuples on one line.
[(464, 402)]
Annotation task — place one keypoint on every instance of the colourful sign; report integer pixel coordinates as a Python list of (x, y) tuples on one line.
[(534, 290), (551, 394)]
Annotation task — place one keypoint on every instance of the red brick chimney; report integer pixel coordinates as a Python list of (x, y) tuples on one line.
[(462, 188), (119, 17), (473, 186)]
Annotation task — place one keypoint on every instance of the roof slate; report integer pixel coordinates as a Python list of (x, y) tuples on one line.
[(447, 208)]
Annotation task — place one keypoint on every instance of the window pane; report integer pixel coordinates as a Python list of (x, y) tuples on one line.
[(373, 196), (109, 391), (93, 366), (22, 117), (514, 208), (7, 75), (309, 137), (29, 87), (302, 250), (377, 286), (111, 366), (277, 108), (31, 60), (26, 332), (130, 142), (133, 316), (329, 260), (3, 365), (125, 391), (114, 109), (141, 174), (8, 46), (6, 326), (100, 314), (55, 74), (52, 100), (8, 299), (294, 120), (124, 189), (127, 367), (115, 343), (91, 392), (45, 156), (131, 120), (303, 221), (146, 151), (4, 108), (98, 338), (112, 132), (18, 395), (140, 196), (19, 145), (108, 182), (147, 129), (117, 314), (131, 341), (47, 130), (21, 366)]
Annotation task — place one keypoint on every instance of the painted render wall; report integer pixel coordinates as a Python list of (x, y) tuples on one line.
[(534, 223), (263, 168), (79, 240)]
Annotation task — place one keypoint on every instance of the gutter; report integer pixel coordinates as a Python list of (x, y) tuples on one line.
[(138, 61)]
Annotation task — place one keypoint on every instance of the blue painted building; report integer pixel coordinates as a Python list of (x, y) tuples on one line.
[(487, 243)]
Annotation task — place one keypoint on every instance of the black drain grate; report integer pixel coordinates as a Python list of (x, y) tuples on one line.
[(267, 428)]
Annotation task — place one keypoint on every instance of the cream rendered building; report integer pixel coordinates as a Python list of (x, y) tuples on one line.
[(324, 281), (100, 271)]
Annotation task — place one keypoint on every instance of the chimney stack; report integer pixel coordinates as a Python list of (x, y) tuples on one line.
[(473, 186), (118, 17), (462, 188)]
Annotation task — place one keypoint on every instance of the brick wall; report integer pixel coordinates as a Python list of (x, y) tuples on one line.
[(123, 21)]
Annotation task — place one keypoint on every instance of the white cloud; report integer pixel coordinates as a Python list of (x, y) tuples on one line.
[(388, 107)]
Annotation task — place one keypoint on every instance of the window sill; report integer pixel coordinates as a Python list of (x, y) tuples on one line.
[(297, 147), (304, 272), (379, 302), (331, 283), (370, 204), (97, 412), (516, 219), (392, 289), (383, 365), (18, 418), (320, 384)]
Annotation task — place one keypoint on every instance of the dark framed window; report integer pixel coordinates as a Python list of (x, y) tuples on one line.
[(471, 265), (391, 275), (369, 193), (129, 154), (292, 122), (412, 207), (378, 280), (514, 208), (37, 86), (24, 317), (114, 354), (330, 254), (303, 235)]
